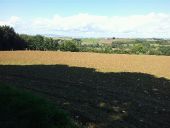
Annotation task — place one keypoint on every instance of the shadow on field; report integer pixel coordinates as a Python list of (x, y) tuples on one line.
[(120, 100)]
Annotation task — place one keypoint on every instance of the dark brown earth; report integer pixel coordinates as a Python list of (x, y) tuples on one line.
[(102, 100)]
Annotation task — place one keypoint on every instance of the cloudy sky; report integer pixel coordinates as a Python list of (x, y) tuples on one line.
[(88, 18)]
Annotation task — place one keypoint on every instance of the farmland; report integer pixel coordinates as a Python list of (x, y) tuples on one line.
[(154, 65), (97, 90)]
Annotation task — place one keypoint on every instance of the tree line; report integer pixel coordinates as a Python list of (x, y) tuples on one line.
[(10, 40)]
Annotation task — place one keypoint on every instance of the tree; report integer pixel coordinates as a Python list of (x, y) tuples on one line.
[(77, 41), (69, 46), (142, 48), (10, 40), (165, 50), (39, 42)]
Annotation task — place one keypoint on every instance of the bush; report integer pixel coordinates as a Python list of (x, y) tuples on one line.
[(69, 46), (20, 109), (154, 52), (141, 48), (165, 50)]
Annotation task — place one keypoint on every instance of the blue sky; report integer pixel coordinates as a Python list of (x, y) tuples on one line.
[(47, 8), (27, 11)]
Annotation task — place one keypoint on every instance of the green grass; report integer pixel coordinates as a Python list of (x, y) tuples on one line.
[(21, 109)]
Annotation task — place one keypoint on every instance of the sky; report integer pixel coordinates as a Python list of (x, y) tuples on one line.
[(88, 18)]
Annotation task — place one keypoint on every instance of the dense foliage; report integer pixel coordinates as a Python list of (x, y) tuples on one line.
[(9, 40), (69, 46), (142, 47), (39, 42)]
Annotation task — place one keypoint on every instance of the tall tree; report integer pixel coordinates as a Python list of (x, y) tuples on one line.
[(10, 40)]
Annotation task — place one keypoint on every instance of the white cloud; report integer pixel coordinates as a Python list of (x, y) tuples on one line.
[(12, 21), (149, 25)]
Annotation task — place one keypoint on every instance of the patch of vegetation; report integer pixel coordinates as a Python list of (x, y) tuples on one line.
[(21, 109), (9, 40), (69, 46), (39, 42), (164, 50)]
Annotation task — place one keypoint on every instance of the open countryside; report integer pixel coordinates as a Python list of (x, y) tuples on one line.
[(97, 90), (84, 64)]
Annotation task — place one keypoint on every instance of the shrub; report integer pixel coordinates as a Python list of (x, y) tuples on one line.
[(154, 52), (69, 46), (165, 50), (140, 48)]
